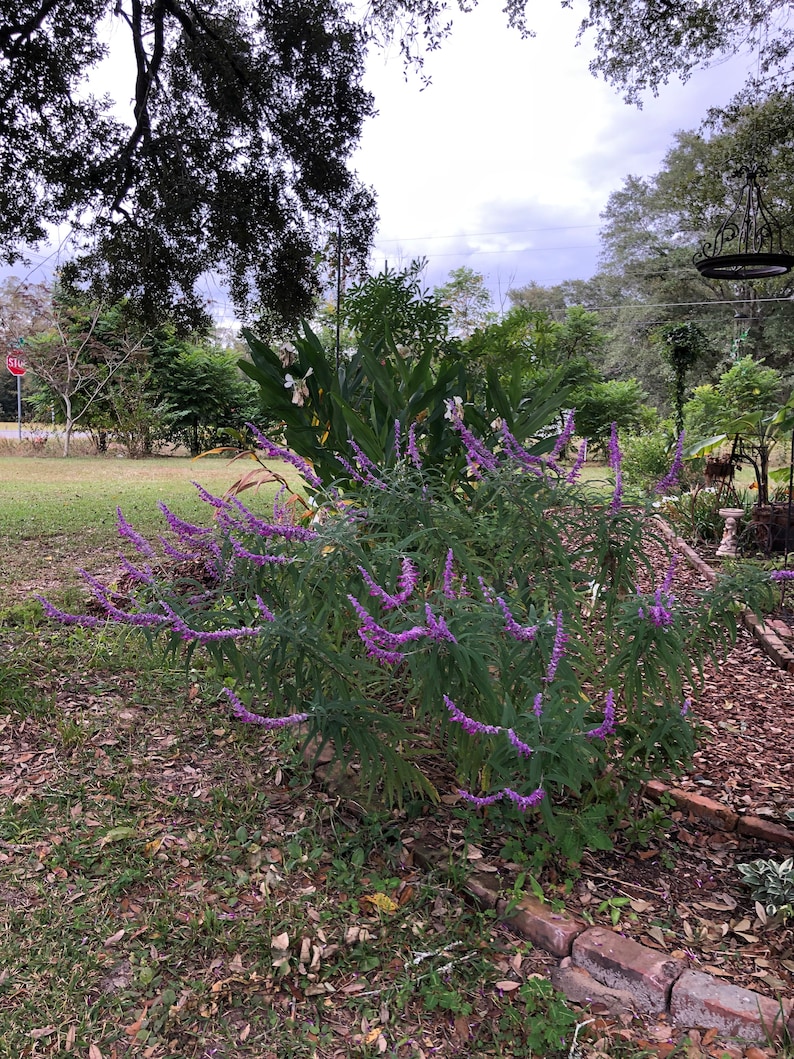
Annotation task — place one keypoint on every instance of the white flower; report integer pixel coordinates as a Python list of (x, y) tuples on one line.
[(287, 354), (454, 412), (300, 391)]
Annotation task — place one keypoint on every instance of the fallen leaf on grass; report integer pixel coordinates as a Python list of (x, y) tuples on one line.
[(94, 1052), (507, 986), (382, 902), (44, 1031), (114, 938), (117, 834), (280, 942)]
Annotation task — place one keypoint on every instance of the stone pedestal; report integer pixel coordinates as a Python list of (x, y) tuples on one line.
[(729, 543)]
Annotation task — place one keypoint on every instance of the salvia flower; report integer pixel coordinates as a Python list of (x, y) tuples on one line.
[(686, 706), (518, 632), (242, 713), (413, 448), (214, 501), (481, 801), (558, 650), (126, 530), (86, 621), (468, 724), (278, 452), (257, 558), (518, 453), (782, 575), (180, 527), (146, 575), (615, 462), (581, 456), (406, 583), (437, 628), (670, 480), (537, 705), (397, 440), (565, 436), (523, 802), (607, 726), (264, 609), (524, 750), (449, 573)]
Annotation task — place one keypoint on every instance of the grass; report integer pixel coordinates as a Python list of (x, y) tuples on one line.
[(173, 884)]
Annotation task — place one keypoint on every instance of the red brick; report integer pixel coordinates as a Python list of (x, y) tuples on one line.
[(484, 888), (621, 963), (700, 1000), (655, 789), (581, 988), (716, 814), (549, 930), (767, 830)]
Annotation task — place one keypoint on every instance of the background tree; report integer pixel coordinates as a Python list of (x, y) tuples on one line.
[(234, 157), (468, 299), (203, 395), (69, 354)]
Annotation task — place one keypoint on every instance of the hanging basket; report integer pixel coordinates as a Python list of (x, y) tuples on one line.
[(758, 251)]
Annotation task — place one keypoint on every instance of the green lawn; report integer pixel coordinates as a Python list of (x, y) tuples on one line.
[(174, 884)]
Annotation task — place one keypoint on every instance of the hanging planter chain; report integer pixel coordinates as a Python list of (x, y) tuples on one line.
[(757, 235)]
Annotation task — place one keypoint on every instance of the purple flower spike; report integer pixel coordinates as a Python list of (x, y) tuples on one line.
[(524, 750), (670, 480), (449, 573), (243, 714), (686, 706), (607, 726), (668, 577), (481, 803), (397, 440), (85, 620), (437, 628), (523, 802), (468, 724), (179, 526), (518, 453), (518, 632), (557, 651), (537, 705), (126, 530), (581, 456), (278, 452), (413, 450), (782, 575), (565, 436), (615, 461), (264, 609), (406, 583)]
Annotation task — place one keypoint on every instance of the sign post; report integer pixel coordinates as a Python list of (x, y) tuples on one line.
[(16, 366)]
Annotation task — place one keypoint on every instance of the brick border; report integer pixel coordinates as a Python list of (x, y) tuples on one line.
[(719, 816), (599, 965)]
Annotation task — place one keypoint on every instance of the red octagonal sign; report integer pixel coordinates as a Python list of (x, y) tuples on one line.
[(15, 364)]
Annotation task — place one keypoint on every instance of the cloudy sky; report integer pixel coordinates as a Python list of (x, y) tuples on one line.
[(504, 163)]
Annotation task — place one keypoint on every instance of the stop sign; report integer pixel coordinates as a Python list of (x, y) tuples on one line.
[(15, 364)]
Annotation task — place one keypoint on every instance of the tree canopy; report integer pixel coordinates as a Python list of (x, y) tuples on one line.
[(234, 155)]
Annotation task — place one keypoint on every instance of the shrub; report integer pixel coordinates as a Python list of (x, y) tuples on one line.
[(487, 633), (647, 457)]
